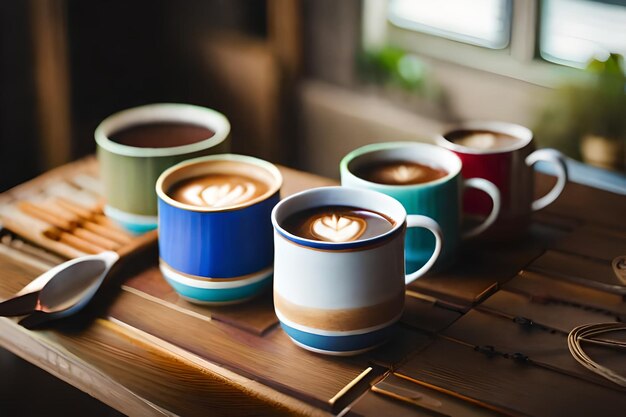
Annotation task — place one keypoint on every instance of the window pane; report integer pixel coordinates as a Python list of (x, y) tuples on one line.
[(479, 22), (574, 31)]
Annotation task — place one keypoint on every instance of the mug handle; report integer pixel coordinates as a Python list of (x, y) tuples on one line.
[(558, 160), (493, 192), (416, 220)]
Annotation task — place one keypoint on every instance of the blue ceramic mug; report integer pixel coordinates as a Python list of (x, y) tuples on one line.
[(215, 233), (439, 199)]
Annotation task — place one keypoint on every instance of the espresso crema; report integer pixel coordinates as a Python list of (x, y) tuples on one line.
[(399, 172), (217, 190), (337, 224), (482, 139)]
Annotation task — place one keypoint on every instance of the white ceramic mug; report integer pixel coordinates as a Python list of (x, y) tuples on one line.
[(342, 298)]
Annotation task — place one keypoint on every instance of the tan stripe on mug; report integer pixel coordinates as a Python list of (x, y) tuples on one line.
[(340, 319)]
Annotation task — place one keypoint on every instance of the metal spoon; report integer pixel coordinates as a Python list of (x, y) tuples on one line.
[(64, 289)]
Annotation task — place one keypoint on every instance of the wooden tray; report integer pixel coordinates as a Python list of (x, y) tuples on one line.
[(61, 211)]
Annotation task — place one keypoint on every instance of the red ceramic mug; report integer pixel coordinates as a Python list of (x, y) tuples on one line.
[(503, 153)]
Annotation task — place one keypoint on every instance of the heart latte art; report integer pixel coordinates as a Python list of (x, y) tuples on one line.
[(337, 224), (338, 228), (217, 190), (219, 195)]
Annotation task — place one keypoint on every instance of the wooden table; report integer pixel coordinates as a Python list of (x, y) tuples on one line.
[(487, 337)]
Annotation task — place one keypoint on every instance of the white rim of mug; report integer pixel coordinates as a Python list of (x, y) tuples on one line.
[(310, 243), (524, 134), (227, 157), (384, 146), (162, 112)]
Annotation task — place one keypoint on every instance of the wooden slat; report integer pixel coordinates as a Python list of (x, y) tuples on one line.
[(427, 316), (556, 220), (585, 271), (481, 267), (305, 375), (562, 317), (540, 345), (542, 288), (594, 242), (509, 386), (256, 316), (395, 396)]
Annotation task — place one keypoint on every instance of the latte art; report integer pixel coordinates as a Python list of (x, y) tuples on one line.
[(479, 141), (219, 195), (482, 140), (399, 172), (338, 228), (402, 173), (217, 190), (337, 224)]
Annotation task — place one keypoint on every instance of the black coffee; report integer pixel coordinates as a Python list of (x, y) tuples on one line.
[(337, 224), (161, 135), (482, 139), (399, 172)]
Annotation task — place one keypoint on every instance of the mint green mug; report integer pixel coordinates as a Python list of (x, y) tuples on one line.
[(439, 199), (129, 172)]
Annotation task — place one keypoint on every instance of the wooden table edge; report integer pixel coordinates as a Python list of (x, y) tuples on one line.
[(63, 364)]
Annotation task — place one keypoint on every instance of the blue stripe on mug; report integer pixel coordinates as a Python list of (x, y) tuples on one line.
[(338, 345), (214, 293), (220, 245), (134, 223)]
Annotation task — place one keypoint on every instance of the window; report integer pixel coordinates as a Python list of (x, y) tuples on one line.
[(574, 31), (521, 39), (478, 22)]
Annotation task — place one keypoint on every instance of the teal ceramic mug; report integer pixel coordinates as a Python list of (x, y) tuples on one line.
[(436, 196), (136, 145)]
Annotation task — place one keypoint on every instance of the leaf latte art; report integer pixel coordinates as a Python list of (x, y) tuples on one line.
[(217, 190), (337, 228)]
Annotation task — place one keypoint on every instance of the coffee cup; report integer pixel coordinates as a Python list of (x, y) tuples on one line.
[(136, 145), (503, 153), (339, 276), (215, 233), (427, 180)]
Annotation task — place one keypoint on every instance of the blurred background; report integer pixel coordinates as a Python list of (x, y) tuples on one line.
[(305, 81)]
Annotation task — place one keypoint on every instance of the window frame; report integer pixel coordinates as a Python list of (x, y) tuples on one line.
[(519, 60)]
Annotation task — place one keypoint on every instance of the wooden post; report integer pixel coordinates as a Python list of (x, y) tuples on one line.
[(284, 27), (50, 49)]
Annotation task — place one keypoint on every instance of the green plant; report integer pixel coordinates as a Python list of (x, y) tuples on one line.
[(396, 68), (595, 105)]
